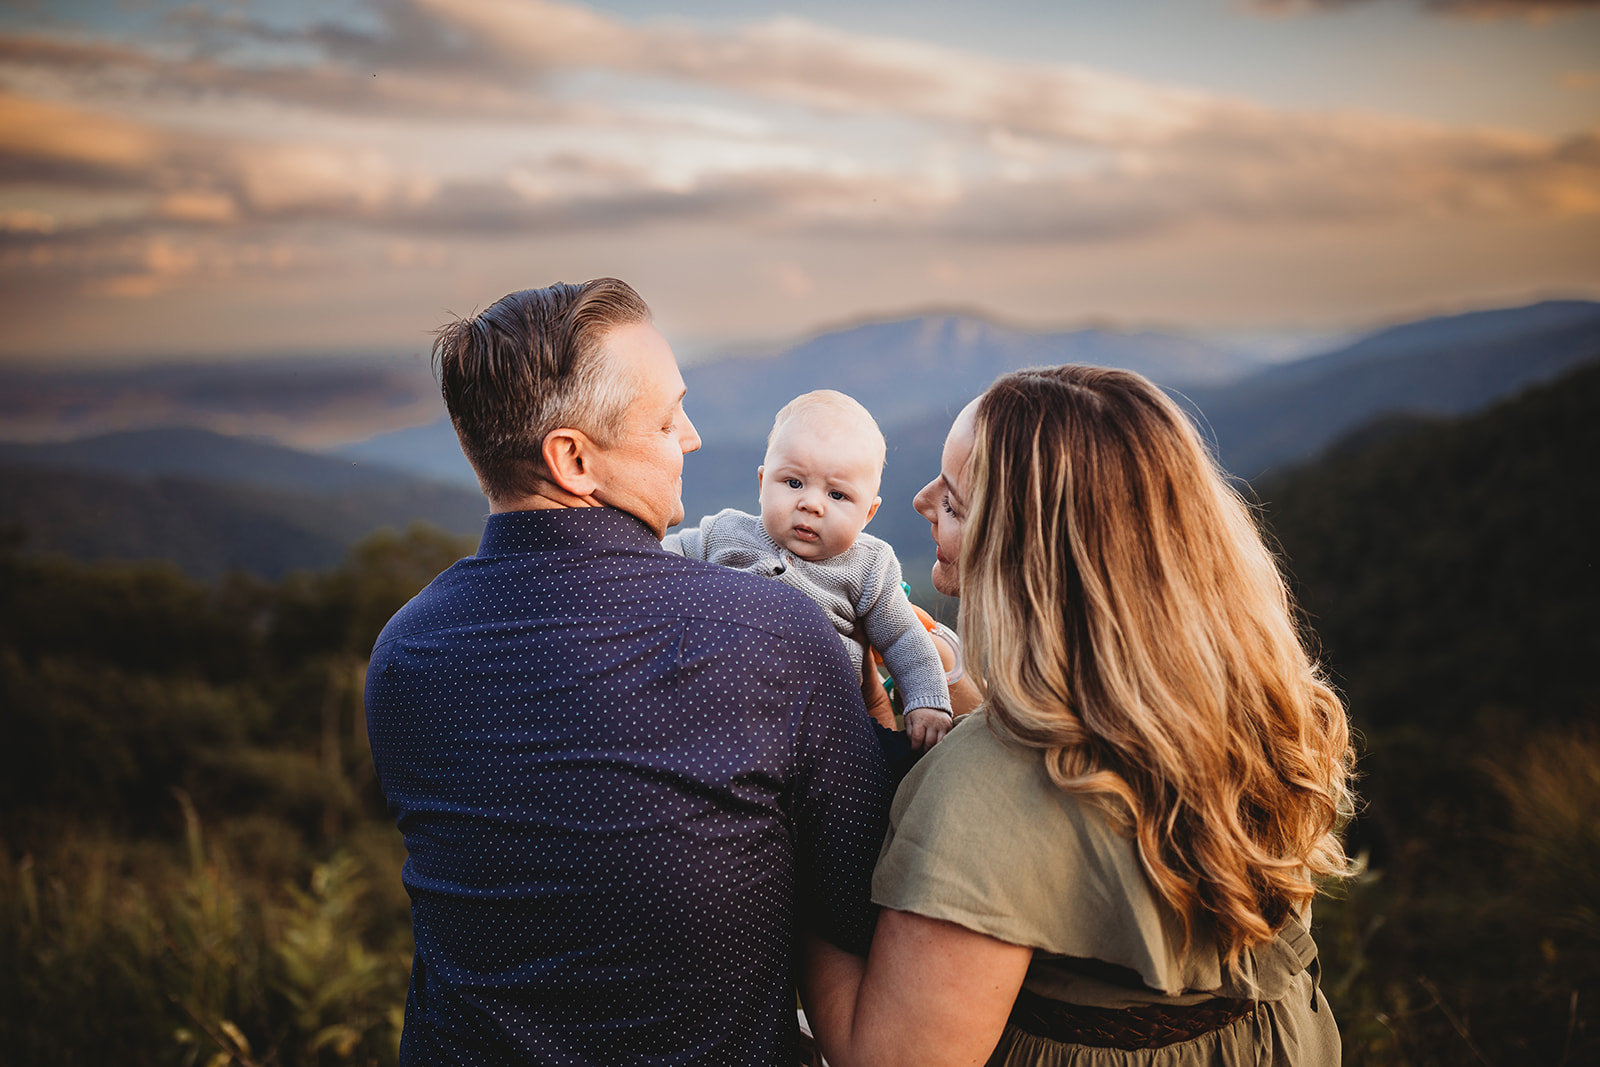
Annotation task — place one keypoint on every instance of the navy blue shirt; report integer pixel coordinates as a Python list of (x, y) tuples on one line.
[(626, 780)]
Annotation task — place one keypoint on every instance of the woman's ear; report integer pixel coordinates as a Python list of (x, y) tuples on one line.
[(569, 456)]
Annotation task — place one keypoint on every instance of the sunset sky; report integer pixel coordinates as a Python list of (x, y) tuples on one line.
[(223, 178)]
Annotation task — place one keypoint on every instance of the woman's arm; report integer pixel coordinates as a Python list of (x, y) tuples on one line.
[(931, 993)]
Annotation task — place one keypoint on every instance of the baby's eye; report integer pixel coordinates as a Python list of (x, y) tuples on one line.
[(792, 483), (835, 494)]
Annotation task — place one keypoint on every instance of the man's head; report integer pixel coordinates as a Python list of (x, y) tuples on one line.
[(819, 481), (568, 393)]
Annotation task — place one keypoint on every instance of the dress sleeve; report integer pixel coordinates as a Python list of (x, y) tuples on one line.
[(896, 632), (980, 836)]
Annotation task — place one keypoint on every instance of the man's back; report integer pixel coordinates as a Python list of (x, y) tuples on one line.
[(626, 779)]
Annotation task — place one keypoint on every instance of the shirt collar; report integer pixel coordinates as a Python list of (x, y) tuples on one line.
[(511, 532)]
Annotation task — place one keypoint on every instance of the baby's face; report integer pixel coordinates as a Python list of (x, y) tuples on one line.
[(819, 487)]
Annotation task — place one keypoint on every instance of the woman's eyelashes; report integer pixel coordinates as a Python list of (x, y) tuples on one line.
[(944, 502)]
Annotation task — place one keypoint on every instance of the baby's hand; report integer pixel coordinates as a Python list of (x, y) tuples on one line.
[(925, 726)]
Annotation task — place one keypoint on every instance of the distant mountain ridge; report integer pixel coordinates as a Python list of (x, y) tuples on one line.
[(912, 374), (186, 452), (1452, 365), (212, 503), (923, 370), (904, 370)]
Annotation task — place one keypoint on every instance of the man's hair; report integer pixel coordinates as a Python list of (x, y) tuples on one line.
[(1127, 618), (830, 402), (532, 363)]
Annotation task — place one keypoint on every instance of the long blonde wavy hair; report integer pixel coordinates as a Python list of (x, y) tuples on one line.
[(1125, 616)]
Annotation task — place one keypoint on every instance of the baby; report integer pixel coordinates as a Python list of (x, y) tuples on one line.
[(819, 488)]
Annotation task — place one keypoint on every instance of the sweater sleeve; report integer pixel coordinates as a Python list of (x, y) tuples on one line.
[(896, 632), (691, 540)]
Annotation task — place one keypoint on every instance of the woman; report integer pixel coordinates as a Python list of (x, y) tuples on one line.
[(1113, 861)]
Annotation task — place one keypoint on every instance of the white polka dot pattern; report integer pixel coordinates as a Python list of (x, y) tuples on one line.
[(625, 779)]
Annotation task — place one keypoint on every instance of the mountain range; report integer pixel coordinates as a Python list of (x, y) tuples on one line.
[(212, 503), (129, 494)]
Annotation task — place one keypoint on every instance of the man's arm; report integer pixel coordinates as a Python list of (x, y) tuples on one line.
[(841, 787)]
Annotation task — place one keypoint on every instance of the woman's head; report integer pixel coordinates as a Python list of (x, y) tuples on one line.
[(943, 502), (1125, 615)]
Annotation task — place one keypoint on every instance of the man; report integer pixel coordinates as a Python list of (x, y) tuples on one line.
[(628, 782)]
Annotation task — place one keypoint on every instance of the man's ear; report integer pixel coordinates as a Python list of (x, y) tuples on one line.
[(569, 456), (873, 510)]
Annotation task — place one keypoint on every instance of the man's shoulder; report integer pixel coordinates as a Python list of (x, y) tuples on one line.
[(483, 593)]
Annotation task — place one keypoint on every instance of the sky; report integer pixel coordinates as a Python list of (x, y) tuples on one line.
[(228, 178)]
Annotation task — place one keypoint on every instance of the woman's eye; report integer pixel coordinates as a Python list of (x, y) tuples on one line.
[(945, 503), (792, 483)]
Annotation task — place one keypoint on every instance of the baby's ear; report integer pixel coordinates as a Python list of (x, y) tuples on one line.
[(759, 471), (873, 510)]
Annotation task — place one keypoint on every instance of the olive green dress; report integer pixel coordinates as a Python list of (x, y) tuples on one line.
[(980, 836)]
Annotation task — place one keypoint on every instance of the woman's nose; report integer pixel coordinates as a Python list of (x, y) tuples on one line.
[(922, 503)]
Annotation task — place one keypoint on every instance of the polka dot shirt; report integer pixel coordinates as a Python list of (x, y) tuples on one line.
[(625, 780)]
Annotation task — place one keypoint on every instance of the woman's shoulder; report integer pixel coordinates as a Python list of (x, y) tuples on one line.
[(980, 836), (980, 791)]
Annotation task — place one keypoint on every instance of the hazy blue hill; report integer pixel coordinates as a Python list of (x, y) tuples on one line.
[(1444, 366), (902, 371), (1451, 567), (212, 503), (917, 373), (923, 366), (430, 451), (201, 454)]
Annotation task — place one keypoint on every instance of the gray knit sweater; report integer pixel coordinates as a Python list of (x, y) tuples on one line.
[(860, 587)]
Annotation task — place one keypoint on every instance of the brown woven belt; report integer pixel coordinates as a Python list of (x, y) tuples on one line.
[(1147, 1026)]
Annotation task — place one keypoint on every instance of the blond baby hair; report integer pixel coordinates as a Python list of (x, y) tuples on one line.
[(846, 409)]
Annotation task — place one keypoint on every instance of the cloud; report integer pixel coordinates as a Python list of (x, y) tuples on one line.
[(1533, 10), (794, 61), (44, 141), (456, 119)]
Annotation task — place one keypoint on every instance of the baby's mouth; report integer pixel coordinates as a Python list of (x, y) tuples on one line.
[(805, 533)]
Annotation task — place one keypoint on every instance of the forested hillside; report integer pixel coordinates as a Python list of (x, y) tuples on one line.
[(1452, 572), (194, 859)]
